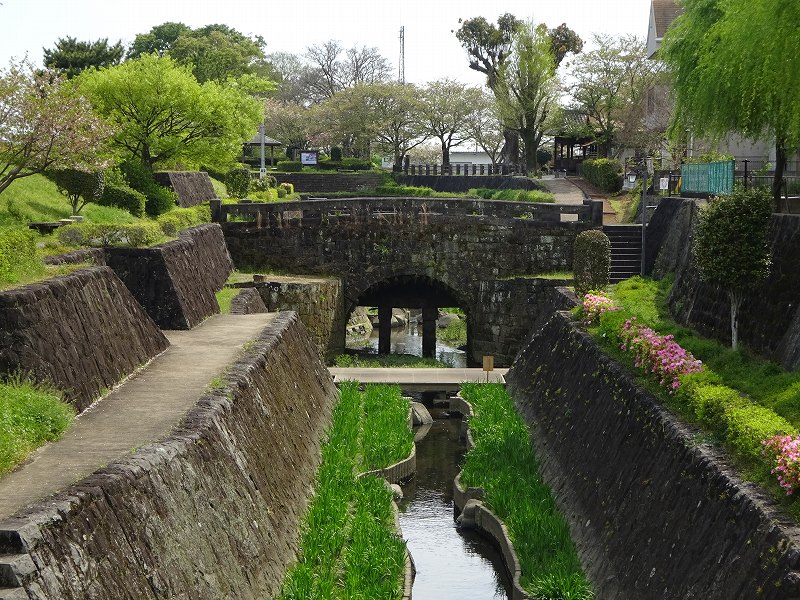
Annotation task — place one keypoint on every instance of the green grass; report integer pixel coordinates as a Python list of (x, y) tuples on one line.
[(224, 298), (512, 195), (455, 333), (503, 463), (30, 416), (386, 438), (35, 198), (349, 548), (220, 188), (388, 360)]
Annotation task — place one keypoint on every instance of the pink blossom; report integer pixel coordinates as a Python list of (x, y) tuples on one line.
[(787, 460), (595, 305)]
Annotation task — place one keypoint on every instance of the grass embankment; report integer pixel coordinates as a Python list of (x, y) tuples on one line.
[(30, 416), (388, 361), (349, 547), (503, 464), (739, 399)]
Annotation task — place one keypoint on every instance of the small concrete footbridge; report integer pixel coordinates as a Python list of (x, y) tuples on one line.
[(415, 252)]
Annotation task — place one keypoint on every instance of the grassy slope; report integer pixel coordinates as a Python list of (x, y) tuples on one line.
[(35, 198)]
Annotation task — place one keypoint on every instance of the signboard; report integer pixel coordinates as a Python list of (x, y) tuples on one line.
[(309, 157), (262, 172), (488, 365), (387, 162), (663, 183)]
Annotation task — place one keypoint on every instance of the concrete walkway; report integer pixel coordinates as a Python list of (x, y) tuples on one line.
[(564, 190), (418, 380), (142, 410)]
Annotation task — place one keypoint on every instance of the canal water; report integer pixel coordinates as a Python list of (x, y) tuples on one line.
[(408, 340), (451, 564)]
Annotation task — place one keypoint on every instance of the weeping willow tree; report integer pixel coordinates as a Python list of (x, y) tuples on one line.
[(736, 68)]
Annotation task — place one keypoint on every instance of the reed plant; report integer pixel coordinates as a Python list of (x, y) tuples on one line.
[(503, 464), (349, 548)]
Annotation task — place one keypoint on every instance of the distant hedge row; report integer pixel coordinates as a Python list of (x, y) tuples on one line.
[(603, 173)]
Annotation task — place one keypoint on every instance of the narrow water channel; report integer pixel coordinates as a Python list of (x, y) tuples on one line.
[(408, 340), (451, 564)]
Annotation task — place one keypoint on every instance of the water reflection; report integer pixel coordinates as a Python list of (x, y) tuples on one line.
[(451, 564), (408, 340)]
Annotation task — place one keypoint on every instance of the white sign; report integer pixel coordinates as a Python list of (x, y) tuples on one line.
[(663, 183), (309, 157), (262, 172), (387, 162)]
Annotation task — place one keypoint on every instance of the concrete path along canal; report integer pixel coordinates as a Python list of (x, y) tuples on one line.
[(142, 410)]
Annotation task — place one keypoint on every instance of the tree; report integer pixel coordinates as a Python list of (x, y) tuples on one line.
[(218, 53), (45, 124), (488, 48), (527, 88), (288, 122), (159, 40), (486, 129), (163, 115), (734, 65), (607, 81), (447, 109), (333, 69), (70, 56), (564, 41), (80, 187), (730, 246)]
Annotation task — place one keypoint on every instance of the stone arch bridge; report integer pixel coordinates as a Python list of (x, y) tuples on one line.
[(482, 256)]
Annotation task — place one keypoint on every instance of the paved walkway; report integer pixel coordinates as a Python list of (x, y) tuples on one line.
[(142, 410), (564, 191), (418, 380)]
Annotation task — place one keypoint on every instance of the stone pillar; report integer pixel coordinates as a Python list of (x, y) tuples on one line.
[(384, 329), (429, 331)]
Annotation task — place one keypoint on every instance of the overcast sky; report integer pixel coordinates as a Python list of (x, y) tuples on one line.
[(432, 51)]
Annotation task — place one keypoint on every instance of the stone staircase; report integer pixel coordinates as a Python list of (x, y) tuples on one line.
[(626, 250), (15, 571)]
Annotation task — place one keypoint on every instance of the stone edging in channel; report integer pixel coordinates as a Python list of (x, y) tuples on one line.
[(470, 499)]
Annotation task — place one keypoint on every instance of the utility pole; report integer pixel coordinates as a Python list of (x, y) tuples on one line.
[(402, 73)]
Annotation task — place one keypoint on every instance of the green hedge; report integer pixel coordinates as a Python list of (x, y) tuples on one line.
[(18, 254), (238, 182), (603, 173), (135, 235), (290, 166), (124, 197), (179, 219)]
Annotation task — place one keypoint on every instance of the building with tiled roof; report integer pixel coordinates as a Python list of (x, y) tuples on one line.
[(662, 14)]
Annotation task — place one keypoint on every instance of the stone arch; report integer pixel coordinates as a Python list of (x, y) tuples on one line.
[(411, 290)]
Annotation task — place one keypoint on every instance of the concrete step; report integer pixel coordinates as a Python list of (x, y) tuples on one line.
[(16, 593)]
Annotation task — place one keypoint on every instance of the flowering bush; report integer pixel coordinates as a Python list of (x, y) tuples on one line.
[(660, 355), (787, 457), (595, 305)]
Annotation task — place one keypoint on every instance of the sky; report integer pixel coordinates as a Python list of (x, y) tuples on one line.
[(431, 49)]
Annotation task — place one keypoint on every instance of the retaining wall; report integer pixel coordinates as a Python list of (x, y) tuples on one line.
[(769, 318), (213, 511), (463, 183), (176, 282), (192, 187), (654, 513), (83, 332), (329, 182)]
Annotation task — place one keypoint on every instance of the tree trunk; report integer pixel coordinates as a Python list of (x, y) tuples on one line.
[(780, 167), (531, 148), (736, 301), (445, 155), (510, 150)]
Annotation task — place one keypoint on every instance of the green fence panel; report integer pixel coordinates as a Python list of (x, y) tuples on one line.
[(708, 178)]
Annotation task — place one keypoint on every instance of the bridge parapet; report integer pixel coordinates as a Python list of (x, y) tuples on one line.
[(396, 210)]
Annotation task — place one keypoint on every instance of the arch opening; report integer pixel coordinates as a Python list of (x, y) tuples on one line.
[(424, 299)]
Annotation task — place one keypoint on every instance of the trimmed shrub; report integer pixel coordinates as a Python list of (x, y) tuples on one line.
[(289, 187), (592, 261), (238, 182), (182, 218), (140, 178), (748, 425), (135, 235), (356, 164), (282, 193), (604, 173), (124, 197), (336, 153), (18, 254), (262, 184), (290, 166)]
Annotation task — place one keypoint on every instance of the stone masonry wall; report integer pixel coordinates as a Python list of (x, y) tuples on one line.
[(769, 318), (213, 511), (176, 282), (83, 332), (655, 514), (463, 183), (319, 303), (192, 187), (329, 182)]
